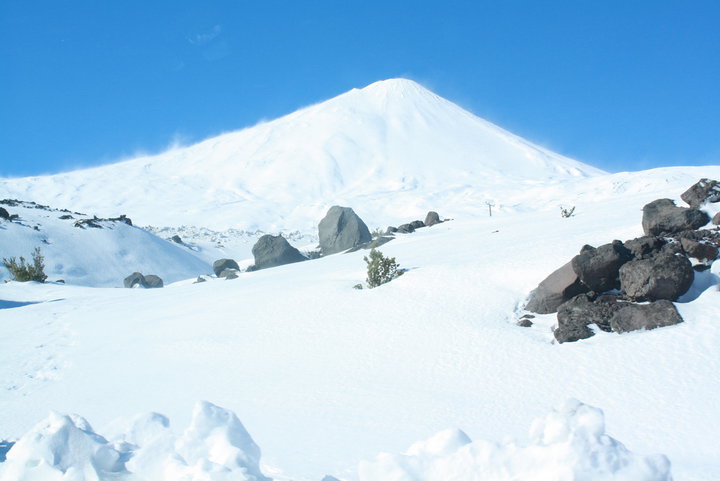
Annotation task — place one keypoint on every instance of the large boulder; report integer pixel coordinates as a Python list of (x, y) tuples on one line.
[(705, 190), (222, 264), (665, 276), (274, 250), (405, 229), (645, 316), (432, 218), (4, 214), (662, 216), (716, 219), (341, 229), (134, 279), (599, 268), (558, 287)]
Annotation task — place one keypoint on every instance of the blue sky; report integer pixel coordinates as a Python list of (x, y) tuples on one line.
[(622, 85)]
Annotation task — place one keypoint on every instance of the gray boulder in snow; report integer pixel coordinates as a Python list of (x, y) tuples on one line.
[(645, 316), (4, 214), (716, 219), (662, 216), (341, 229), (134, 279), (599, 268), (560, 286), (665, 276), (275, 250), (405, 229), (153, 282), (222, 264), (705, 190), (417, 224), (432, 218)]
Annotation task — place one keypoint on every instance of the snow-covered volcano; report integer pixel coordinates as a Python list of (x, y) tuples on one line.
[(393, 147)]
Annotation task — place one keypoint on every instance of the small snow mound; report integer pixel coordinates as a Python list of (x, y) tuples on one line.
[(217, 438), (567, 444), (62, 447)]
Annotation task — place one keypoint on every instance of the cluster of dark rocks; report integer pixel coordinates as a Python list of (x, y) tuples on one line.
[(431, 219), (604, 285), (136, 279), (341, 230)]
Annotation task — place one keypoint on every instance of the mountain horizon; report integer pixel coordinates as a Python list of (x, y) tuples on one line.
[(393, 136)]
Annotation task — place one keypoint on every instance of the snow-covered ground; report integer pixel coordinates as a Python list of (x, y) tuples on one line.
[(324, 375)]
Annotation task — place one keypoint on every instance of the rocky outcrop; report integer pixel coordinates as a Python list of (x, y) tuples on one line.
[(645, 316), (341, 229), (272, 251), (599, 268), (558, 287), (665, 276), (705, 190), (4, 214), (153, 282), (222, 264), (663, 217), (699, 250)]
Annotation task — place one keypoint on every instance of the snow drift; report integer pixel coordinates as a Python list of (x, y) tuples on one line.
[(568, 444)]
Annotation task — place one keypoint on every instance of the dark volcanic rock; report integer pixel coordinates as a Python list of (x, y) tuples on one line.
[(664, 276), (222, 264), (417, 224), (705, 190), (699, 250), (390, 230), (716, 219), (272, 251), (432, 218), (645, 316), (176, 239), (405, 229), (599, 268), (645, 247), (662, 216), (558, 287), (153, 282), (584, 309), (4, 214), (134, 279), (341, 229)]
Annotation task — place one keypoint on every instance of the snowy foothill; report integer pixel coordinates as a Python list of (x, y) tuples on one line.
[(566, 444)]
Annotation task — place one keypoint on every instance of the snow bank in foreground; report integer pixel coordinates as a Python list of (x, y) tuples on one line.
[(567, 445), (215, 447)]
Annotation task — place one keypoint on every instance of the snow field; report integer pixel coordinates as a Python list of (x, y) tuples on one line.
[(324, 375)]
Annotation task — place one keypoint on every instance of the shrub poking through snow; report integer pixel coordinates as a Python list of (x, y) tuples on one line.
[(23, 272), (567, 212), (381, 269)]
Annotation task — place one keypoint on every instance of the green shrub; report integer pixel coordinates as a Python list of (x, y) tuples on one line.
[(23, 272), (381, 269), (377, 232)]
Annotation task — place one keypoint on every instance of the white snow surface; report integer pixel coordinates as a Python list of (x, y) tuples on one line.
[(324, 375), (393, 147)]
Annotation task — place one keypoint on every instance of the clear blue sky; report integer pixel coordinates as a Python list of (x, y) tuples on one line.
[(619, 84)]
